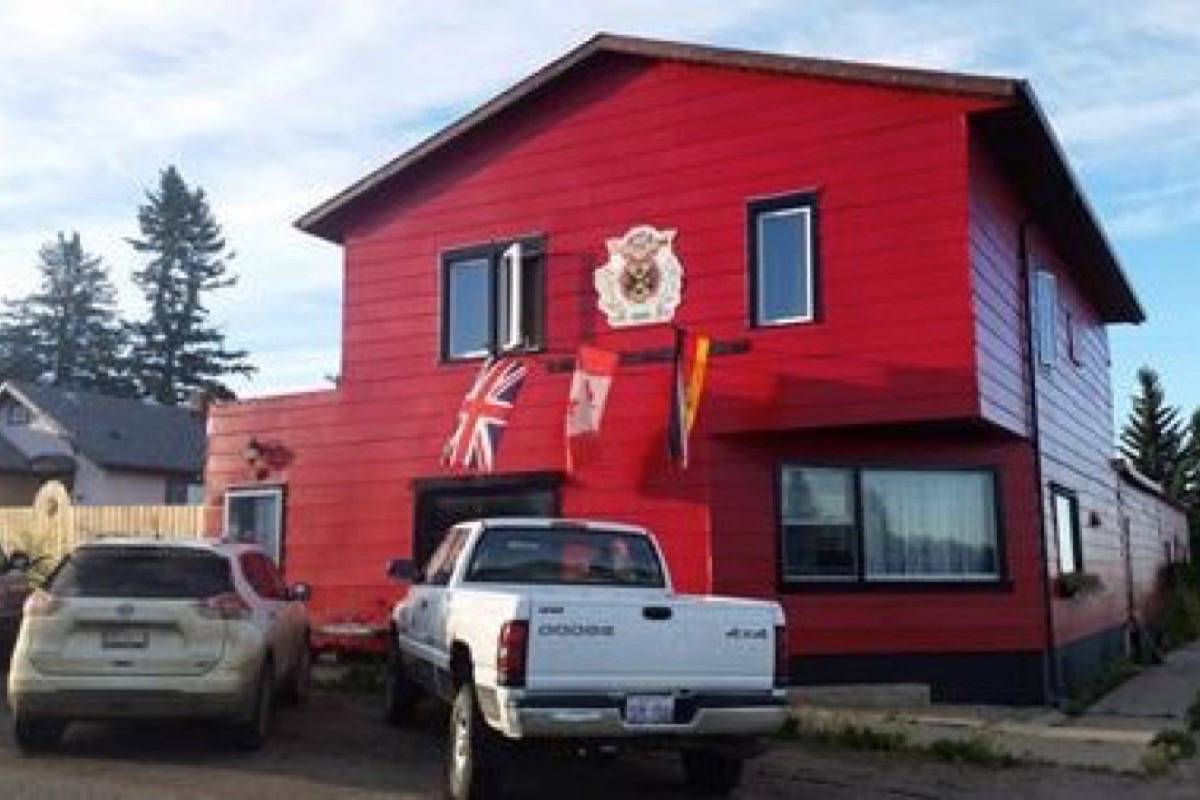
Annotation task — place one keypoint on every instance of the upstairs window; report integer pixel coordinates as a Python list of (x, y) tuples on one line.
[(1045, 317), (493, 299), (783, 257)]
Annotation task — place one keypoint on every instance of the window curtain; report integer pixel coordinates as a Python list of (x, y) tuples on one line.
[(929, 525)]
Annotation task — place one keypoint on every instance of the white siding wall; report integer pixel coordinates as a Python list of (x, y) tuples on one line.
[(95, 486)]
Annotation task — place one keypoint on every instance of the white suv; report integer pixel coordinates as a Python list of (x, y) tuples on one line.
[(147, 629)]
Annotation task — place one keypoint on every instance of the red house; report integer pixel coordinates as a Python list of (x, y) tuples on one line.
[(906, 433)]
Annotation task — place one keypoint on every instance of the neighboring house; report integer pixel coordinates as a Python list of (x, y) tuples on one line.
[(105, 450), (906, 435)]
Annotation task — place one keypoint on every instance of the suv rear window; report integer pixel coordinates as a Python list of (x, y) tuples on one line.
[(163, 573), (565, 556)]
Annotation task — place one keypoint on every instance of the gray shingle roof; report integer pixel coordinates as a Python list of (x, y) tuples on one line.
[(123, 434)]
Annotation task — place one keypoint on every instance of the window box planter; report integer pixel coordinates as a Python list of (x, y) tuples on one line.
[(1078, 584)]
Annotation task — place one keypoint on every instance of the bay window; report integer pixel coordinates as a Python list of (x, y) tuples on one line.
[(888, 525)]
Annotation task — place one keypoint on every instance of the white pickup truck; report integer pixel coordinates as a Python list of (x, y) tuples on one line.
[(568, 632)]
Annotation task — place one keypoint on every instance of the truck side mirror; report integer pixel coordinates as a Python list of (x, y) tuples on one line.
[(403, 569)]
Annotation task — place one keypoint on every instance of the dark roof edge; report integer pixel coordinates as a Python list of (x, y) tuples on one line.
[(1029, 98), (321, 221)]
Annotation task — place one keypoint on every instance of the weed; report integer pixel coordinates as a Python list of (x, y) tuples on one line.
[(1193, 714), (1177, 744)]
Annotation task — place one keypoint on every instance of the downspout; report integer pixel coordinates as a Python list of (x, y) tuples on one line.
[(1050, 662)]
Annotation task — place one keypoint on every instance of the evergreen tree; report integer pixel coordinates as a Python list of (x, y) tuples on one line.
[(176, 349), (67, 332), (1152, 439)]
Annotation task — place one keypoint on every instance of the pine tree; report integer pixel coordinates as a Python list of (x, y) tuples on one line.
[(1152, 439), (1188, 480), (67, 331), (176, 349)]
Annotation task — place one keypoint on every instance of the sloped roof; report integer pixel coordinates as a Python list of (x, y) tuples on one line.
[(1019, 129), (123, 434)]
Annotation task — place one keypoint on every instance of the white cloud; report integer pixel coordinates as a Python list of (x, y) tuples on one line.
[(274, 106)]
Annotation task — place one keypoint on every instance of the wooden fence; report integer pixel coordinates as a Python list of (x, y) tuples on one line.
[(53, 526)]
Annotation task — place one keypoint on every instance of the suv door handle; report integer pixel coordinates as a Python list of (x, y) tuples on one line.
[(424, 604), (656, 613)]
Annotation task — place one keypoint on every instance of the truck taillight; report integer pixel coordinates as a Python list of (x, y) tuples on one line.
[(512, 653), (41, 604), (782, 670), (227, 606)]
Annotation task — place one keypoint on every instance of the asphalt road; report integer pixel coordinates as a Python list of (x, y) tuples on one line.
[(336, 746)]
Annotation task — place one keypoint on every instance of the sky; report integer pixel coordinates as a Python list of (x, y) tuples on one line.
[(273, 107)]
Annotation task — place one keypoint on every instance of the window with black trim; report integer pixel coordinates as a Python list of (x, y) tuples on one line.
[(493, 299), (783, 260), (1067, 530), (888, 525)]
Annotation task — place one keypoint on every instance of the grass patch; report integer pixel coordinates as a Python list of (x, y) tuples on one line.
[(1110, 677), (976, 750), (851, 737)]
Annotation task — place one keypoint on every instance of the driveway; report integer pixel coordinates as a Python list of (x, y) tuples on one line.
[(336, 747)]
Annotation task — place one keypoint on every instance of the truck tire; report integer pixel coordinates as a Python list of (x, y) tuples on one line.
[(400, 692), (35, 735), (251, 734), (712, 774), (472, 771)]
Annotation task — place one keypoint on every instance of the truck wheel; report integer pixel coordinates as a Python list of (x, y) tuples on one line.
[(712, 774), (400, 692), (34, 735), (252, 733), (471, 769)]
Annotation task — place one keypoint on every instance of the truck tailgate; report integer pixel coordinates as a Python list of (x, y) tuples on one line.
[(637, 643)]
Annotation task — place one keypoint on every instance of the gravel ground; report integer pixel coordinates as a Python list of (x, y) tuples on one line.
[(337, 747)]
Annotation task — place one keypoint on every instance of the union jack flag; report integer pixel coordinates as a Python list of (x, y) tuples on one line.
[(484, 415)]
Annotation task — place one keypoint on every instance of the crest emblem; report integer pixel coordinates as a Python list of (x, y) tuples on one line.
[(642, 281)]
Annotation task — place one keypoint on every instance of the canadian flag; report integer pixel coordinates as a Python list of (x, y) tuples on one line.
[(594, 370)]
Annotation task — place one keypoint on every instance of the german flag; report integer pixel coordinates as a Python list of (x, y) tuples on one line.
[(687, 386)]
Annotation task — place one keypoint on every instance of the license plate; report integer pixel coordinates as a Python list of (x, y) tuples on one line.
[(650, 709), (124, 639)]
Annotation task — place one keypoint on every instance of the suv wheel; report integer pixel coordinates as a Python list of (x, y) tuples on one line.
[(712, 774), (35, 734), (252, 733), (471, 769), (300, 681), (400, 692)]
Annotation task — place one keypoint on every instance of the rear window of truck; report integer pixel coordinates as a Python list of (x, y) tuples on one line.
[(566, 557), (142, 572)]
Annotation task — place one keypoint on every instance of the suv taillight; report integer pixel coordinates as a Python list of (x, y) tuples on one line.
[(227, 606), (782, 670), (512, 653), (41, 604)]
